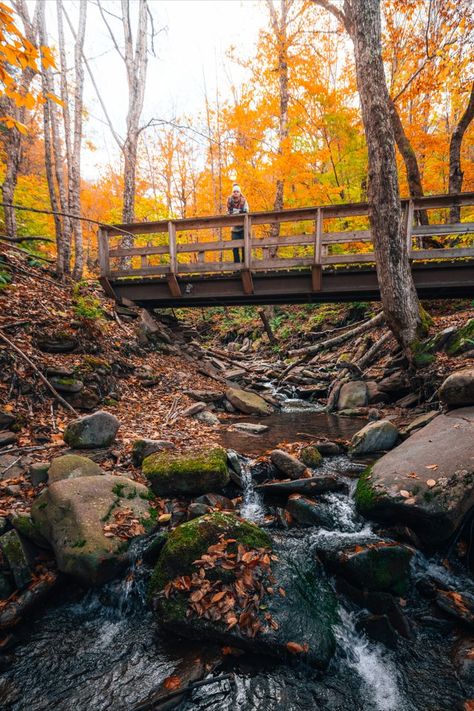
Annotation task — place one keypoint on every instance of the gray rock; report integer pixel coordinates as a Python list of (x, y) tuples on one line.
[(328, 449), (207, 418), (374, 437), (7, 437), (458, 389), (96, 430), (204, 395), (17, 558), (144, 447), (71, 515), (247, 402), (427, 482), (66, 384), (288, 465), (309, 513), (196, 509), (420, 421), (57, 344), (352, 394), (39, 473), (6, 420), (10, 466), (311, 486), (194, 409), (250, 427), (70, 466)]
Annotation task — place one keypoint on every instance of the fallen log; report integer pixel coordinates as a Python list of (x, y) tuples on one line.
[(313, 485), (312, 350), (14, 609)]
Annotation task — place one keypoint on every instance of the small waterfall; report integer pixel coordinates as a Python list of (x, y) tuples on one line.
[(373, 665), (252, 507)]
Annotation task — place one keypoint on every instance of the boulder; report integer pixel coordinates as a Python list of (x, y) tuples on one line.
[(463, 340), (288, 465), (60, 343), (299, 601), (380, 566), (75, 516), (309, 513), (374, 437), (204, 395), (70, 466), (192, 473), (352, 394), (311, 486), (96, 430), (458, 388), (247, 402), (395, 385), (419, 422), (328, 449), (142, 448), (16, 556), (427, 482), (311, 456), (6, 420)]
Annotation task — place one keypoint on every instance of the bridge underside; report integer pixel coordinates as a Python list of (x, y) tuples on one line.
[(433, 280)]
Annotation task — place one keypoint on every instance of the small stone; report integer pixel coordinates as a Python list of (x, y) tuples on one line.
[(374, 437), (311, 456), (250, 427), (287, 464), (13, 489), (7, 437), (208, 418), (247, 402), (194, 409), (405, 494), (204, 395), (39, 473)]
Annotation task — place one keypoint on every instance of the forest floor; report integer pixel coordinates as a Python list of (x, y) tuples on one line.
[(142, 378)]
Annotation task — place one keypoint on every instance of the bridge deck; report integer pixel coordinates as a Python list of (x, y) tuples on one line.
[(316, 264)]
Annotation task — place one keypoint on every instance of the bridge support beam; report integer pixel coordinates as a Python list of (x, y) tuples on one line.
[(247, 281), (316, 277), (173, 285)]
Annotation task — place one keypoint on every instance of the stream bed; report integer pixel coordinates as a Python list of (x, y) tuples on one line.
[(102, 650)]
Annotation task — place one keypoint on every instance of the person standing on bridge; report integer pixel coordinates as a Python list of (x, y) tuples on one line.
[(236, 204)]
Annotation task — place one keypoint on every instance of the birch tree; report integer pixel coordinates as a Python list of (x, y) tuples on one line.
[(135, 58), (455, 172)]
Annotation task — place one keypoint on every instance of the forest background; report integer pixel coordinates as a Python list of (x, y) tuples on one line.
[(280, 115)]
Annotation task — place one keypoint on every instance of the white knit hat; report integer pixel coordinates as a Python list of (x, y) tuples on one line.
[(236, 187)]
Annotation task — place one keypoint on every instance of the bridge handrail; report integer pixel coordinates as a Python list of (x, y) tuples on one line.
[(317, 240)]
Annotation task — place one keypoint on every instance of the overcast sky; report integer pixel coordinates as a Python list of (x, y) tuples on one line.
[(191, 46)]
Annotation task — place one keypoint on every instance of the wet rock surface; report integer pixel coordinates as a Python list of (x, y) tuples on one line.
[(374, 437), (426, 482), (197, 472), (90, 431), (247, 402)]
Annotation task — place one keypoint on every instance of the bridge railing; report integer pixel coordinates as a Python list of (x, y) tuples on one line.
[(172, 248)]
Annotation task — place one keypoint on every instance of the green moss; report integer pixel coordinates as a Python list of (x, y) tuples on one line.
[(426, 322), (151, 522), (464, 339), (421, 353), (149, 496), (118, 490), (132, 494), (79, 544), (92, 363), (311, 456), (365, 496), (189, 541), (195, 473)]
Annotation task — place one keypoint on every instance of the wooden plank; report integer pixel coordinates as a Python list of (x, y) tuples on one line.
[(209, 246), (456, 228), (276, 263), (149, 271), (103, 245), (173, 285), (316, 277), (172, 248), (247, 282), (318, 237), (409, 225), (348, 258), (247, 242), (293, 215), (453, 253), (138, 251), (209, 267)]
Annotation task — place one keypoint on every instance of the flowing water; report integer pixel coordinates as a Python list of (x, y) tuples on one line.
[(102, 650)]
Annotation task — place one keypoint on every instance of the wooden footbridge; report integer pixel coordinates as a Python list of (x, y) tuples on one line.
[(310, 254)]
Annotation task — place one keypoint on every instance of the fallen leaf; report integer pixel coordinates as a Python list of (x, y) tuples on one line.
[(172, 682), (405, 494), (431, 482), (295, 648), (431, 466)]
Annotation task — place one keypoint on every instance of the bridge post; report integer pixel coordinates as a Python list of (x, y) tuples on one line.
[(317, 269), (247, 282), (103, 245), (172, 281)]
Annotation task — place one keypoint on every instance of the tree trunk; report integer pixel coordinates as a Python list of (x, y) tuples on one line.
[(75, 169), (279, 26), (399, 298), (415, 187), (455, 173)]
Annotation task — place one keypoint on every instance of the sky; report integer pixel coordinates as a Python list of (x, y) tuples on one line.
[(191, 45)]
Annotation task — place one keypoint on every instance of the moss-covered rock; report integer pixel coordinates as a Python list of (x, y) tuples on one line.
[(193, 473), (142, 448), (24, 524), (458, 388), (16, 555), (463, 340), (304, 615), (71, 515), (189, 541), (311, 456), (70, 466), (381, 566)]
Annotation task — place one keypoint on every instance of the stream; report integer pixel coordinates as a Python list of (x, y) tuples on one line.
[(103, 650)]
